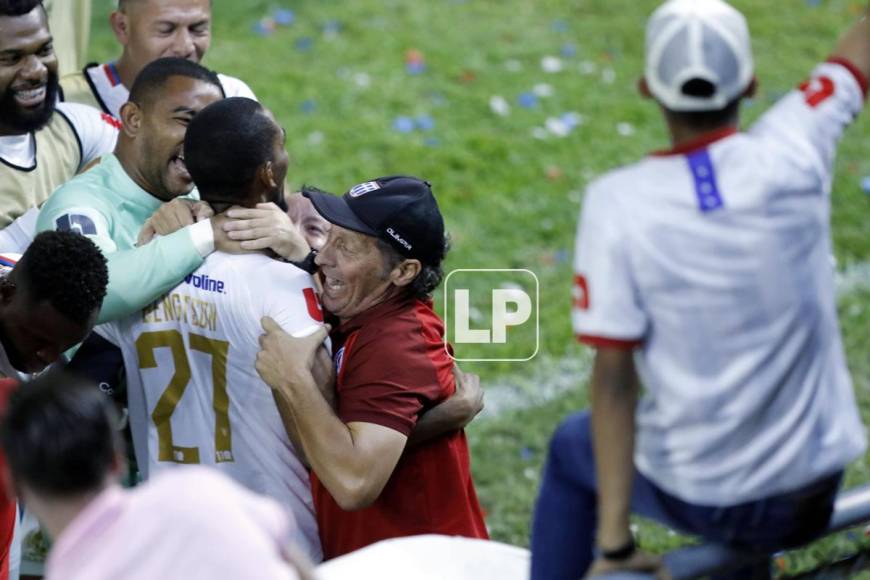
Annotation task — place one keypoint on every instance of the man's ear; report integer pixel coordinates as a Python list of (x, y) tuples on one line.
[(7, 290), (752, 88), (405, 272), (266, 173), (131, 119), (120, 26), (643, 88)]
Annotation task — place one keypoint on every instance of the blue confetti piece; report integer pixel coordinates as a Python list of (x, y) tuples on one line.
[(568, 49), (403, 124), (425, 122), (437, 98), (308, 106), (528, 100), (431, 142), (562, 256), (559, 26), (526, 454), (304, 44), (263, 28), (415, 68), (331, 27), (865, 184), (283, 17)]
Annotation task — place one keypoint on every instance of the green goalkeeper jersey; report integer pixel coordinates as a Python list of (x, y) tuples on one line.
[(108, 207)]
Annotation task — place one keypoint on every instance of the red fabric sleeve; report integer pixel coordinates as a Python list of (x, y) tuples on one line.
[(7, 504), (387, 379)]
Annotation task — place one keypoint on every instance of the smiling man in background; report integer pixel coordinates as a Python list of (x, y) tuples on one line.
[(148, 30), (42, 144)]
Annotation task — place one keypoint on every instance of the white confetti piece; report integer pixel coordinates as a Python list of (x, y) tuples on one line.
[(551, 64), (625, 129), (499, 105), (543, 90)]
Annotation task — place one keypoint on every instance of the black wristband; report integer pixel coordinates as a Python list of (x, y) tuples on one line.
[(621, 553), (307, 263)]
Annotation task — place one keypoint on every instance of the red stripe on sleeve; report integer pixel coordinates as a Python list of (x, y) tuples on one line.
[(856, 72), (604, 342)]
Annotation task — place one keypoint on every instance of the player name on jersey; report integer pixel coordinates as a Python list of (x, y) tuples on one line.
[(176, 307)]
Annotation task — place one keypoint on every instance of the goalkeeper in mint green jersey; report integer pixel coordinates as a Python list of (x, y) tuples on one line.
[(111, 202)]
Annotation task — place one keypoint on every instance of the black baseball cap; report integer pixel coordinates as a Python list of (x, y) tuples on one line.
[(398, 209)]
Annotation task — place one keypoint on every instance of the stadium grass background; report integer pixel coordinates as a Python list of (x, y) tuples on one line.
[(336, 79)]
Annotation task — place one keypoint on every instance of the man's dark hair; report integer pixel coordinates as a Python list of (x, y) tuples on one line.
[(225, 144), (18, 7), (154, 75), (705, 120), (430, 275), (67, 270), (59, 435)]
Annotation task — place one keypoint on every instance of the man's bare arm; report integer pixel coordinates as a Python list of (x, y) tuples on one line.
[(454, 413), (354, 461), (854, 45), (615, 389)]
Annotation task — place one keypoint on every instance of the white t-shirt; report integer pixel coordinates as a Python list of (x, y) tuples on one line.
[(112, 93), (194, 395), (97, 134), (716, 262)]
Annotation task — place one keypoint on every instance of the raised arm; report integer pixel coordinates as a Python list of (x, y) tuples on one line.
[(854, 45)]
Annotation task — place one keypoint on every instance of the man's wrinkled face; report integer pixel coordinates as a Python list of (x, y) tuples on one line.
[(28, 73), (315, 229), (352, 270), (160, 140), (35, 334), (161, 28)]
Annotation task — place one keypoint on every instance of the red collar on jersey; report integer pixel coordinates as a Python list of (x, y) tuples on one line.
[(698, 142)]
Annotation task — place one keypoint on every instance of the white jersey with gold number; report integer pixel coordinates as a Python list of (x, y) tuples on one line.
[(100, 86), (194, 395), (714, 260)]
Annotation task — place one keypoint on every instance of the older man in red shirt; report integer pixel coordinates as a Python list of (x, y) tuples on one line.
[(379, 266)]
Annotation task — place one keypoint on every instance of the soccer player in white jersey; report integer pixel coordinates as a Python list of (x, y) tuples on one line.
[(193, 393), (147, 30), (709, 266), (42, 144)]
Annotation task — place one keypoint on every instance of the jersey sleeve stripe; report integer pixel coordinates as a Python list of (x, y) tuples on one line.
[(605, 342), (850, 66)]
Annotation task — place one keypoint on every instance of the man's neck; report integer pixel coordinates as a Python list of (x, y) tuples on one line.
[(683, 134), (127, 71), (57, 514), (127, 158)]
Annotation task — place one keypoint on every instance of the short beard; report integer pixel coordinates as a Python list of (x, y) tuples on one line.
[(13, 117)]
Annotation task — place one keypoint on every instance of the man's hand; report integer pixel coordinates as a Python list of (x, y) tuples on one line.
[(284, 360), (637, 562), (267, 226), (172, 216), (222, 241), (468, 395)]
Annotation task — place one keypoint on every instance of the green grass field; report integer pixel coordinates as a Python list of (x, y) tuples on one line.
[(336, 78)]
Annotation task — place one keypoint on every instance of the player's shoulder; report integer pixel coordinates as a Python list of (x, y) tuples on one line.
[(619, 185), (89, 188), (85, 117), (234, 87), (257, 271)]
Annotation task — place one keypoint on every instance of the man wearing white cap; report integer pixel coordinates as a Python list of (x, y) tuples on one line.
[(709, 264)]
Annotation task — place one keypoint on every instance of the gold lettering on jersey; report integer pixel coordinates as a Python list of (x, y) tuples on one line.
[(177, 307)]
